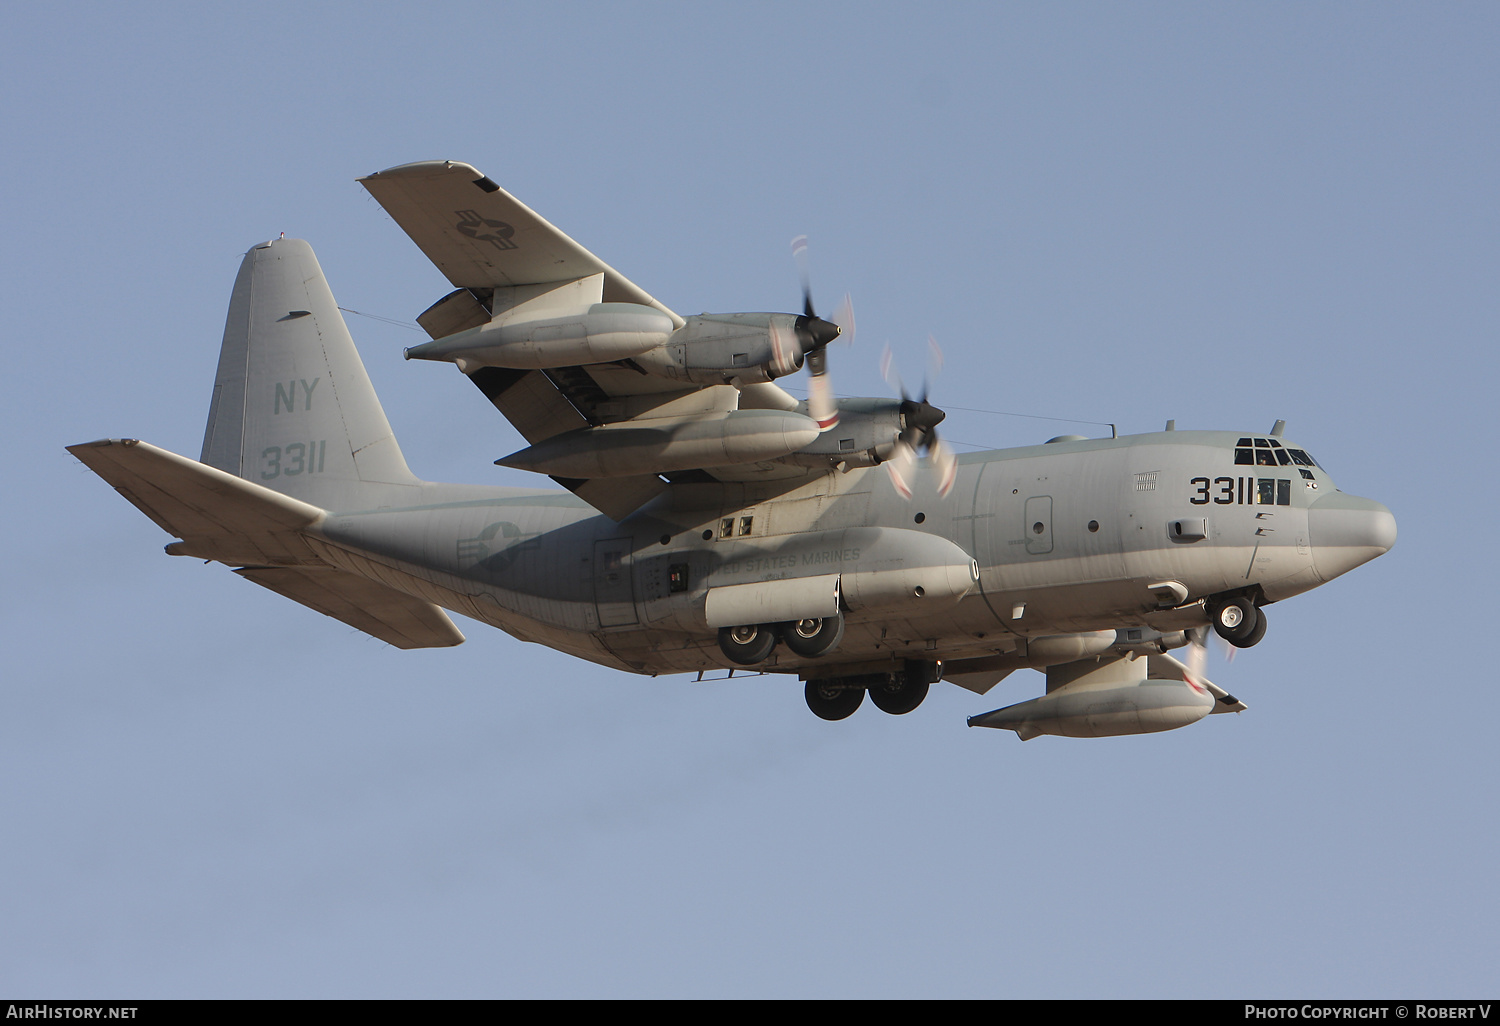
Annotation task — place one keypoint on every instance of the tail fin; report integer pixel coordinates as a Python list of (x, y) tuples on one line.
[(293, 408)]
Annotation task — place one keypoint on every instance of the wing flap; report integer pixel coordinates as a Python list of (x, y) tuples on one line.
[(530, 401), (480, 236), (366, 605), (217, 515)]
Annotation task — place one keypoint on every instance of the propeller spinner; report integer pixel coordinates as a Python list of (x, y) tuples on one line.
[(919, 421)]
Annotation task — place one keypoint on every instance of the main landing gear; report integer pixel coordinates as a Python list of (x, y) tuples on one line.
[(897, 692), (808, 638), (1237, 620)]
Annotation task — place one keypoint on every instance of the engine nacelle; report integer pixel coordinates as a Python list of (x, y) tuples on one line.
[(664, 444), (865, 436), (606, 333), (718, 349), (1104, 709)]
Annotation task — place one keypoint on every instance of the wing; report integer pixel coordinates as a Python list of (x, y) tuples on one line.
[(482, 237), (1161, 666), (505, 259)]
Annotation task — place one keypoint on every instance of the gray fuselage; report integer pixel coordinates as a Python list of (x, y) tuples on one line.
[(1066, 537)]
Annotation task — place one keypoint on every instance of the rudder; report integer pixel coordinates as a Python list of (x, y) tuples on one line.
[(293, 408)]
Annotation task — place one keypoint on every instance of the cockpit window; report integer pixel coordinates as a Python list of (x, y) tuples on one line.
[(1268, 452)]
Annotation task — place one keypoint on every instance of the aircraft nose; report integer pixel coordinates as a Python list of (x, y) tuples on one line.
[(1346, 530)]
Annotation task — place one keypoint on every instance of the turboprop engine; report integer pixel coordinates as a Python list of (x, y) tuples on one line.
[(743, 348), (662, 444), (605, 333)]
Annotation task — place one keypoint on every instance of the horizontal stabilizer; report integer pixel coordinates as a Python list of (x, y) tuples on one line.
[(382, 612), (217, 515)]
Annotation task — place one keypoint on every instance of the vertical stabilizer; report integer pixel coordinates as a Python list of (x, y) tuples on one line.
[(293, 408)]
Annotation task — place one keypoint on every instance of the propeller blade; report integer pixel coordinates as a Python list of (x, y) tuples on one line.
[(1197, 654), (888, 371), (843, 316), (799, 254), (1228, 649), (934, 366), (821, 405), (945, 462), (901, 466)]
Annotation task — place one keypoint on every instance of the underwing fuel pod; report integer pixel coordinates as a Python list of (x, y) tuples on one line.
[(1111, 697)]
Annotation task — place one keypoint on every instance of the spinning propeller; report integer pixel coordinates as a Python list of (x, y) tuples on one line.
[(919, 421), (1197, 655), (813, 335)]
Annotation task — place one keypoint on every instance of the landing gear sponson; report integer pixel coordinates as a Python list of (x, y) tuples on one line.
[(896, 692)]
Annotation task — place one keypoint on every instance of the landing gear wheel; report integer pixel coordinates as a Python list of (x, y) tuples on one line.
[(1257, 633), (812, 638), (1237, 621), (831, 702), (747, 645), (899, 697)]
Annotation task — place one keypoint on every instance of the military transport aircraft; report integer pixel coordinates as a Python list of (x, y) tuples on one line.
[(707, 519)]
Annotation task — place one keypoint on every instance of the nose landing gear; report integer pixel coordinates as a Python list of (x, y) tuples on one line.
[(1237, 620)]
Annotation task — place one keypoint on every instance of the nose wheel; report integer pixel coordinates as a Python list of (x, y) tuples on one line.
[(1238, 621)]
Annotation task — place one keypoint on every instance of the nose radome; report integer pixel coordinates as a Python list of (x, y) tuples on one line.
[(1346, 530)]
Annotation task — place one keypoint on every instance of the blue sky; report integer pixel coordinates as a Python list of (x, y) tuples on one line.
[(1221, 214)]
